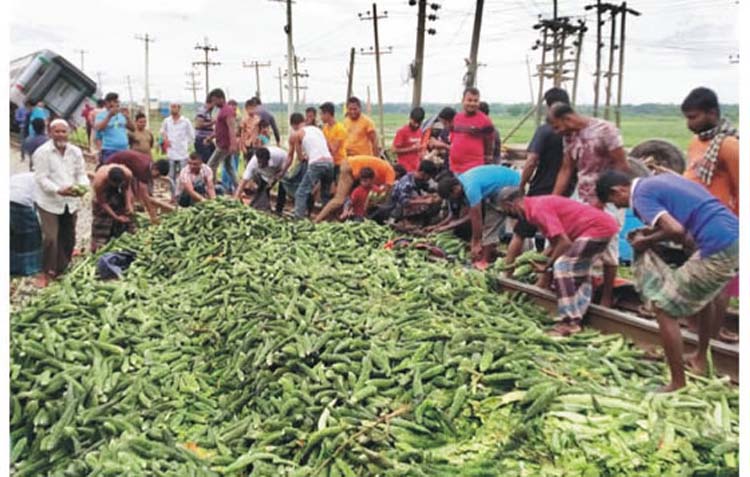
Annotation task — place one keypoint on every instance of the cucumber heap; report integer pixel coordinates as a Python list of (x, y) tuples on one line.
[(239, 344)]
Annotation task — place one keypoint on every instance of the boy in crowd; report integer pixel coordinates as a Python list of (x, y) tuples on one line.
[(578, 234), (141, 140), (351, 169), (358, 198)]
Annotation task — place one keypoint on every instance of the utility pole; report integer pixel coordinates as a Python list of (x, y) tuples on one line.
[(579, 46), (610, 70), (206, 63), (369, 103), (193, 85), (297, 75), (419, 59), (624, 10), (147, 103), (82, 53), (600, 8), (289, 54), (471, 73), (280, 77), (257, 65), (541, 71), (99, 80), (350, 77), (374, 17), (531, 86), (130, 95)]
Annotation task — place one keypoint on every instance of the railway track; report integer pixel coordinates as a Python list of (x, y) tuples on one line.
[(643, 331)]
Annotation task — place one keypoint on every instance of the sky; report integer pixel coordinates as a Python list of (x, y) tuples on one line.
[(674, 46)]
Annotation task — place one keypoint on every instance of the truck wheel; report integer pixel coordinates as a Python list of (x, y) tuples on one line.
[(664, 153)]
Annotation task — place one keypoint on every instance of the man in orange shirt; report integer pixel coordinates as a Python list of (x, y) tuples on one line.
[(335, 134), (362, 139), (350, 172), (714, 161)]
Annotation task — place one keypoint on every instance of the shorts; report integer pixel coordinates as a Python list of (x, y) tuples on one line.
[(686, 290)]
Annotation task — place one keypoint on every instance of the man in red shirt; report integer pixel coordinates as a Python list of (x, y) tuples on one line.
[(578, 234), (407, 143), (225, 135), (472, 139)]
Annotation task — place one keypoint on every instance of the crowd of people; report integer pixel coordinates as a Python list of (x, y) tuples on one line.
[(568, 199)]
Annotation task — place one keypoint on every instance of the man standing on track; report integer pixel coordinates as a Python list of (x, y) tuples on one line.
[(472, 138), (310, 145), (177, 133), (678, 210), (362, 140), (578, 233), (58, 168), (590, 147), (226, 137), (714, 161), (407, 142)]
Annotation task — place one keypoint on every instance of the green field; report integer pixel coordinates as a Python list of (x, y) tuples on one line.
[(635, 128)]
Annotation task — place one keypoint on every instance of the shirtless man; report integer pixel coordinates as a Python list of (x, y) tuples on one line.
[(112, 205)]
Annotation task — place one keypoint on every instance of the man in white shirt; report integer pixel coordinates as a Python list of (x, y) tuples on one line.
[(260, 175), (177, 133), (58, 169), (310, 145)]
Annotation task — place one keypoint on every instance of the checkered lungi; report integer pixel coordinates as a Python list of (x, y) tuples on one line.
[(572, 277), (685, 290), (103, 226), (25, 240)]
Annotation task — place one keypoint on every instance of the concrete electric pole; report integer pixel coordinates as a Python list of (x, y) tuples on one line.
[(206, 63), (147, 100), (257, 65), (374, 17)]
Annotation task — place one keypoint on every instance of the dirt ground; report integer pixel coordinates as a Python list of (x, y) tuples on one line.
[(22, 288)]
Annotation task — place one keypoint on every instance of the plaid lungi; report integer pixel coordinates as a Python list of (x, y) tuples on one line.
[(572, 277), (686, 290), (103, 226), (25, 240)]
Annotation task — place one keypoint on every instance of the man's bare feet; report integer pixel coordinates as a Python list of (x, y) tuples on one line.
[(481, 264), (565, 329), (696, 364), (41, 280), (671, 387)]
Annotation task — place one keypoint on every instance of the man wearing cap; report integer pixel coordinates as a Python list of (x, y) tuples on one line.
[(479, 188), (578, 234), (177, 133), (58, 168)]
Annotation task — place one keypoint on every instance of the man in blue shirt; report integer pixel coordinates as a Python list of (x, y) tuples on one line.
[(31, 144), (112, 127), (21, 117), (479, 187), (41, 112), (678, 210)]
